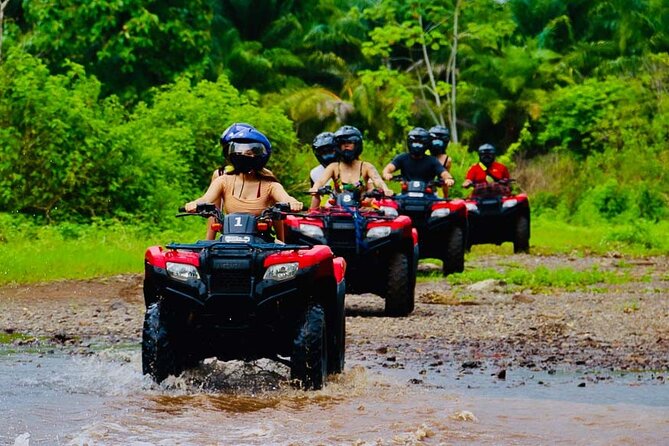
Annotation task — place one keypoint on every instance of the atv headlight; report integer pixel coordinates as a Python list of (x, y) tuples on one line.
[(311, 230), (378, 232), (182, 271), (509, 203), (440, 213), (389, 211), (471, 207), (281, 271)]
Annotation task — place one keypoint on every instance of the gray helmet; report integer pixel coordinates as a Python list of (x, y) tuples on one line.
[(418, 141), (325, 148), (348, 133), (487, 154), (440, 138)]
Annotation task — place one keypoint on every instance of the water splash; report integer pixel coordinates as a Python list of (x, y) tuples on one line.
[(22, 440)]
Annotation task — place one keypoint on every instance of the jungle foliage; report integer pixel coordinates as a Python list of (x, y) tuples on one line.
[(113, 108)]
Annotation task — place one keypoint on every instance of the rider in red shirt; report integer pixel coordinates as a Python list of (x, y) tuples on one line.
[(487, 169)]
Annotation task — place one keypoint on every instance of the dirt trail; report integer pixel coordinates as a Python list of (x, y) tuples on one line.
[(617, 327)]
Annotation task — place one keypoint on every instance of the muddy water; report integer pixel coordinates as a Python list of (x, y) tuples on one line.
[(58, 398)]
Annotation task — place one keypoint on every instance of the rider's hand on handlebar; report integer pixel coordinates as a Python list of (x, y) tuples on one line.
[(387, 176), (296, 206), (467, 183), (388, 193), (450, 182), (191, 206)]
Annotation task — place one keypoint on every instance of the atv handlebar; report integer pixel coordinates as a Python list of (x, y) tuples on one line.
[(282, 207), (202, 210), (374, 193), (431, 183), (276, 212), (325, 190)]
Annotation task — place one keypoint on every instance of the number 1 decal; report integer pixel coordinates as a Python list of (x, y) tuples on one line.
[(238, 222)]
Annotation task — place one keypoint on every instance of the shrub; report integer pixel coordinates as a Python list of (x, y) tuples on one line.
[(639, 233)]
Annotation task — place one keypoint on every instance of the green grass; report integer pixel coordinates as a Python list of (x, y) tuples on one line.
[(40, 253), (631, 306), (47, 253), (542, 277), (10, 338), (633, 238)]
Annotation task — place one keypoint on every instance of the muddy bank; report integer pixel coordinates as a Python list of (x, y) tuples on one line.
[(599, 327)]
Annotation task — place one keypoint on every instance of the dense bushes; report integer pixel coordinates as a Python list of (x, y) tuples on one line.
[(56, 152), (606, 144), (67, 154), (576, 101)]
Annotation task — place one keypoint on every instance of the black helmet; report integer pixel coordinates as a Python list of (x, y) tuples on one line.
[(487, 154), (440, 138), (325, 148), (418, 141), (248, 150), (348, 133)]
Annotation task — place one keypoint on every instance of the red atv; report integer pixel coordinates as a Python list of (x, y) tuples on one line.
[(244, 297), (441, 223), (381, 250), (497, 215)]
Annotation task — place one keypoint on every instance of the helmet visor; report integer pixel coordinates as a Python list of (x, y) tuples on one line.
[(417, 147), (247, 149), (487, 156), (325, 150), (438, 143), (348, 139)]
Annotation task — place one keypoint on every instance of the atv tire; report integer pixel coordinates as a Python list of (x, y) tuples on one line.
[(521, 235), (150, 292), (399, 293), (336, 336), (159, 357), (454, 262), (309, 358)]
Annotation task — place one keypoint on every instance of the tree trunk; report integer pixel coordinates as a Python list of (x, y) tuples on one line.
[(3, 5), (453, 118), (430, 73)]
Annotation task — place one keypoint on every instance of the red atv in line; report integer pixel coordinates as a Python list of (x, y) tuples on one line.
[(381, 249), (244, 297), (441, 223), (497, 215)]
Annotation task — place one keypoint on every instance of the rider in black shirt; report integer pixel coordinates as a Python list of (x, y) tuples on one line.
[(415, 165)]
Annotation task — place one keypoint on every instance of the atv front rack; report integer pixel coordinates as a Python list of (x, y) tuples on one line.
[(224, 245)]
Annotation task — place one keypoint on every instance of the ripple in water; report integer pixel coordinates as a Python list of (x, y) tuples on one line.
[(103, 399)]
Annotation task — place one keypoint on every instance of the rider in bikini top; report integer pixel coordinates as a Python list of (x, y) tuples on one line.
[(359, 186)]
